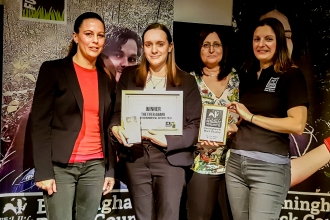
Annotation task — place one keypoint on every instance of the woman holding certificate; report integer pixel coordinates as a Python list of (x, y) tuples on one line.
[(218, 85), (273, 103), (156, 168)]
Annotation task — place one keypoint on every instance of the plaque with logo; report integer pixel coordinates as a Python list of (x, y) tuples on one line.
[(213, 125), (158, 111)]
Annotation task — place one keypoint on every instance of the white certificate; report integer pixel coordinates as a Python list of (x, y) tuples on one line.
[(159, 111)]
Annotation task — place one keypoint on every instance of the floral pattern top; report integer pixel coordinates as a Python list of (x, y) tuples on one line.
[(214, 161)]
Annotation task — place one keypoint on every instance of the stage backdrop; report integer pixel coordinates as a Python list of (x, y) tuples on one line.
[(27, 44)]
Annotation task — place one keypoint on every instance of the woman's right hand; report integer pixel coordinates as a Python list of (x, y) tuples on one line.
[(47, 185), (119, 133), (240, 109)]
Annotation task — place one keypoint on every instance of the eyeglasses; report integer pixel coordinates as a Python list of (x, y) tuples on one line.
[(208, 46)]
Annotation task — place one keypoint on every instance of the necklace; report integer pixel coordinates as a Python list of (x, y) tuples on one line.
[(153, 85), (210, 75)]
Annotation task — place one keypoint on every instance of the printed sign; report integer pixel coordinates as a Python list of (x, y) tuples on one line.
[(31, 206), (44, 11)]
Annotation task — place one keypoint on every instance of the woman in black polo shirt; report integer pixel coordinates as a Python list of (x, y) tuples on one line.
[(273, 103)]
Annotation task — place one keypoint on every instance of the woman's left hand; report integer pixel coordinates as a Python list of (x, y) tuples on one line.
[(240, 109), (108, 184), (155, 137)]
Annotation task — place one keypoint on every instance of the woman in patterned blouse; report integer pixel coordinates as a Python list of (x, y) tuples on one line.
[(218, 85)]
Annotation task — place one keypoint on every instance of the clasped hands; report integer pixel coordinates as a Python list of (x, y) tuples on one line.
[(151, 135)]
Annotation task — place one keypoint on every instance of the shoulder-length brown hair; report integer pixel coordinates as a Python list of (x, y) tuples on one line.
[(281, 59), (172, 76), (225, 65)]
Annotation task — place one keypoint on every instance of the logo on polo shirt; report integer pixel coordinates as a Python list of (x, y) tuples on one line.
[(271, 85)]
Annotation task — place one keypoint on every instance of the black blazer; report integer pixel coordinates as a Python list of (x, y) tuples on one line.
[(56, 116), (179, 151)]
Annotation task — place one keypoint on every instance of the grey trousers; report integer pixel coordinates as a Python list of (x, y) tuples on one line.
[(155, 186), (79, 191), (256, 189)]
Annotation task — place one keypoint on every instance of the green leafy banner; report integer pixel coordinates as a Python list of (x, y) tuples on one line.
[(51, 11)]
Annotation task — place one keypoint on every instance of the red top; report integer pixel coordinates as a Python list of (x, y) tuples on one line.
[(88, 144)]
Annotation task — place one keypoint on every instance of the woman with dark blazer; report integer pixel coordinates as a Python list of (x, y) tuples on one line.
[(155, 169), (70, 115)]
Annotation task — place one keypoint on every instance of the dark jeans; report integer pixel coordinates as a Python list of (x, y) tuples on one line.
[(79, 191), (256, 189), (155, 185), (205, 194)]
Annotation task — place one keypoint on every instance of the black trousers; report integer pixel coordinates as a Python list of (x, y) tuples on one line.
[(207, 197), (155, 185)]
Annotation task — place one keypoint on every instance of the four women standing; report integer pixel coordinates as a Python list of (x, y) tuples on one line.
[(65, 107)]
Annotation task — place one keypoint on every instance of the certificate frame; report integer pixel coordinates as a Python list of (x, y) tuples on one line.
[(166, 107), (214, 124)]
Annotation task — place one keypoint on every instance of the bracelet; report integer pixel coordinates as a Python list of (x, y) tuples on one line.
[(251, 118), (327, 142)]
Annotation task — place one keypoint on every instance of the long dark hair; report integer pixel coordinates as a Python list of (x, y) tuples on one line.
[(281, 59), (79, 20), (225, 65), (246, 15), (117, 36), (172, 77)]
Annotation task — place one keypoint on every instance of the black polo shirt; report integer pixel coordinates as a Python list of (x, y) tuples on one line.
[(271, 96)]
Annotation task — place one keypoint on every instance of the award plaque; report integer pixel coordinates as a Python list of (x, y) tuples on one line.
[(159, 111), (213, 125)]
